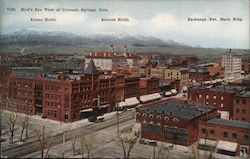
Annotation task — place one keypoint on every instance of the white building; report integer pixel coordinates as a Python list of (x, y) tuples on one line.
[(105, 61), (232, 64)]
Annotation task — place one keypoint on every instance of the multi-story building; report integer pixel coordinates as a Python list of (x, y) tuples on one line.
[(172, 120), (105, 61), (149, 86), (232, 65), (241, 105), (220, 96), (178, 73), (64, 97), (230, 137), (246, 66), (158, 72), (131, 87)]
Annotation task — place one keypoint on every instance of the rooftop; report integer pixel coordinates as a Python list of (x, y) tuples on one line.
[(232, 123), (178, 108), (228, 88)]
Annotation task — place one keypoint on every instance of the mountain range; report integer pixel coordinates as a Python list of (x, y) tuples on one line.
[(33, 37)]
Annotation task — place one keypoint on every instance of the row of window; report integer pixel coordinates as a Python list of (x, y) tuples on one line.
[(52, 96), (243, 111), (243, 101), (214, 97), (52, 113), (52, 88), (52, 104), (225, 134)]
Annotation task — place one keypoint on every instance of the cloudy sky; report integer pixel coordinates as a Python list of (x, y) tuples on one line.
[(162, 19)]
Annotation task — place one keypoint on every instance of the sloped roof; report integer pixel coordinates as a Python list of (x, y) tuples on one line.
[(91, 68)]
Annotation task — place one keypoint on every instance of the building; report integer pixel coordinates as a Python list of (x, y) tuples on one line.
[(105, 61), (241, 105), (172, 120), (127, 71), (65, 97), (158, 72), (149, 86), (246, 66), (220, 96), (232, 65), (131, 87), (206, 72), (178, 73), (230, 137)]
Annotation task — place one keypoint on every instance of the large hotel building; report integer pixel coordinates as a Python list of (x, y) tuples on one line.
[(64, 96)]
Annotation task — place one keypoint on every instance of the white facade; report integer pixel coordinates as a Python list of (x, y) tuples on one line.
[(232, 65), (100, 63)]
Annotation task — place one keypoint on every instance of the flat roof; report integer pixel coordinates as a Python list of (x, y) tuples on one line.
[(244, 93), (232, 123), (179, 108)]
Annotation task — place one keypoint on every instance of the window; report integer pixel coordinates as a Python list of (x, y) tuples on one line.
[(214, 97), (211, 132), (243, 111), (243, 101), (199, 95), (234, 136), (203, 131), (243, 119), (237, 101), (207, 103), (225, 134), (237, 110), (221, 105), (245, 137), (221, 98), (207, 97)]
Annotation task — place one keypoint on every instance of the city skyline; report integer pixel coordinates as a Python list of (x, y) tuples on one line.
[(166, 20)]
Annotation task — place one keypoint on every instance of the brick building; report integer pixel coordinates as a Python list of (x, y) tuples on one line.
[(131, 87), (241, 105), (64, 97), (149, 85), (220, 96), (172, 120), (230, 136), (246, 66)]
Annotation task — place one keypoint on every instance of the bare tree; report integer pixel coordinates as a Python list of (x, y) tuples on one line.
[(127, 143), (11, 123), (73, 141), (164, 151), (84, 146), (24, 123), (43, 140)]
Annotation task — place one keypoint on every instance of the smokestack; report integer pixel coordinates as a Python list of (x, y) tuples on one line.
[(112, 48)]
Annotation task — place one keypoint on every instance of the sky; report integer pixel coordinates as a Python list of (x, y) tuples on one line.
[(167, 20)]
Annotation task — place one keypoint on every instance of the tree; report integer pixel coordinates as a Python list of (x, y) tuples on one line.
[(24, 123), (84, 146), (73, 141), (11, 124), (126, 141), (43, 140)]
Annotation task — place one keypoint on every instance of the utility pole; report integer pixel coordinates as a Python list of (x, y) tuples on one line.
[(63, 143)]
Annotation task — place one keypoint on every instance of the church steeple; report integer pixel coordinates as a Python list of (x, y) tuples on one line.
[(91, 68)]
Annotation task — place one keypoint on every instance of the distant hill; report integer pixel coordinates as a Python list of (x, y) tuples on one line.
[(30, 37)]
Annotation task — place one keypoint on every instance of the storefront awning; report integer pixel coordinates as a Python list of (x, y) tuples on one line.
[(207, 142), (227, 146), (132, 101), (168, 93), (122, 104), (174, 91)]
